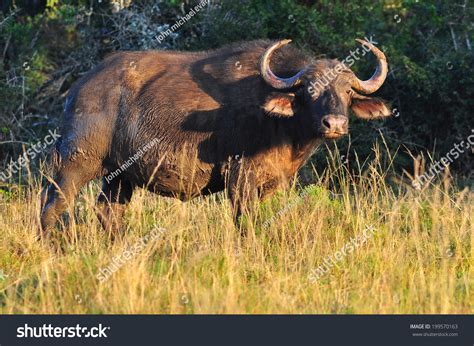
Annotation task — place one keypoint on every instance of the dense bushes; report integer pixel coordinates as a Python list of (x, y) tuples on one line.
[(431, 87)]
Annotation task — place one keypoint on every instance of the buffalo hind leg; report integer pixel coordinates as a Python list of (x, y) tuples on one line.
[(112, 203)]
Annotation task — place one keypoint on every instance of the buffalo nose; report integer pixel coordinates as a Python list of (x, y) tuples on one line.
[(334, 124)]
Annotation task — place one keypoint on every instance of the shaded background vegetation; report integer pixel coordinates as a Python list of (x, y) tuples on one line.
[(46, 45)]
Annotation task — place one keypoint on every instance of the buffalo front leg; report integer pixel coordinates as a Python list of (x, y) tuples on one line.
[(242, 189), (111, 204), (61, 192)]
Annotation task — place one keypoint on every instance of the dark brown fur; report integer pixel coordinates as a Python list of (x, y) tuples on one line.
[(207, 112)]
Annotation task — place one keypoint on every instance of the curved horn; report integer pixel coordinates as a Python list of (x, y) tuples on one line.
[(270, 77), (375, 82)]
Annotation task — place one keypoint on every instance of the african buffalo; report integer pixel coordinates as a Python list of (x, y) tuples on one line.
[(186, 124)]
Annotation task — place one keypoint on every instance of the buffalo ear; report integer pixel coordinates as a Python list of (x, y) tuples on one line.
[(280, 105), (369, 108)]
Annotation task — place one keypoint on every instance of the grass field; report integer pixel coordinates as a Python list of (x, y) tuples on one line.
[(417, 259)]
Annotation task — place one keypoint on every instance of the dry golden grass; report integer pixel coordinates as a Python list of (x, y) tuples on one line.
[(418, 261)]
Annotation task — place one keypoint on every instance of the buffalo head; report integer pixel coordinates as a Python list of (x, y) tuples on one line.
[(324, 91)]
